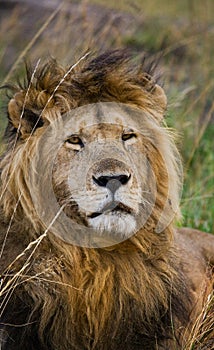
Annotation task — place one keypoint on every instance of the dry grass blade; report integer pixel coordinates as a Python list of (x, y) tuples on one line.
[(63, 79), (201, 133), (9, 227), (17, 133), (32, 42), (11, 284), (202, 335)]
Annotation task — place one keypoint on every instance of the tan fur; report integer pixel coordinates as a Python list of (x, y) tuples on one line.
[(144, 293)]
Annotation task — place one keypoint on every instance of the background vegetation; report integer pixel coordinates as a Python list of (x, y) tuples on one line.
[(181, 32)]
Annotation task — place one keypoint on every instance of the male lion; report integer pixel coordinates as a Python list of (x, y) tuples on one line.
[(90, 182)]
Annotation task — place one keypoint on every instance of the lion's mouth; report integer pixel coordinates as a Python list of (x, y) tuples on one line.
[(112, 207)]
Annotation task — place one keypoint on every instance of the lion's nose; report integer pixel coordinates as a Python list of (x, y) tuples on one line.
[(112, 182)]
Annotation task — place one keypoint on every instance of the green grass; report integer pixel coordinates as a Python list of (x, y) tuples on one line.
[(197, 202)]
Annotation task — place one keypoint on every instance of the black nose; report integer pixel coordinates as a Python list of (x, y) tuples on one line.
[(112, 182)]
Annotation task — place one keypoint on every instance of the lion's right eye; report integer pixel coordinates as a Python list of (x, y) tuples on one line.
[(74, 142), (129, 135)]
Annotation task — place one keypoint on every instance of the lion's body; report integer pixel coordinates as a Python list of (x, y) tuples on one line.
[(145, 292)]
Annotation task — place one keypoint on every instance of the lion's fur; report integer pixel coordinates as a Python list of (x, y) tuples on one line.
[(139, 294)]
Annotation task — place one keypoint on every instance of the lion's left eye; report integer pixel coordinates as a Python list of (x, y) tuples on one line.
[(74, 142)]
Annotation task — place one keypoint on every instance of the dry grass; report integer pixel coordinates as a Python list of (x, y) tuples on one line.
[(202, 335)]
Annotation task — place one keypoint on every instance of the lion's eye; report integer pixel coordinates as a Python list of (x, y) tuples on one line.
[(129, 135), (74, 142)]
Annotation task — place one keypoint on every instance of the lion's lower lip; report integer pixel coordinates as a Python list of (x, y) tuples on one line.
[(119, 208)]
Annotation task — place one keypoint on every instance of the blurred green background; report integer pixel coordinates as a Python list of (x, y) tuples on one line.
[(180, 32)]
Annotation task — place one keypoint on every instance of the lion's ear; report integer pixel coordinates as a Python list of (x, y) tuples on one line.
[(160, 96), (153, 97), (23, 116), (159, 101)]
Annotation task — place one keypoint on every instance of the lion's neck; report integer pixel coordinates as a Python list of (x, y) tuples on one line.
[(125, 294), (131, 287)]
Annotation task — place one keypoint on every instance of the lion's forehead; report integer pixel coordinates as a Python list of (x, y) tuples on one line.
[(96, 120), (102, 131), (94, 116)]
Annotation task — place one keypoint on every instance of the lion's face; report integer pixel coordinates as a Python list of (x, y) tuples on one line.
[(100, 177), (102, 173)]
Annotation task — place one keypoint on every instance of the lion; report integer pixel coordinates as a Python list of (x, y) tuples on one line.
[(90, 184)]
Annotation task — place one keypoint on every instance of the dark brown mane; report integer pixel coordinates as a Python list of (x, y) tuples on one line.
[(110, 77)]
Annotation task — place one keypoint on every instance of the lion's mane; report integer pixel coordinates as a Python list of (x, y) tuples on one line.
[(57, 296)]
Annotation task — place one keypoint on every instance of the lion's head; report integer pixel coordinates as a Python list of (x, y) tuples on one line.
[(99, 133)]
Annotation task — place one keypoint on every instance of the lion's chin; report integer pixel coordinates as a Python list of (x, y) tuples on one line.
[(114, 223)]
